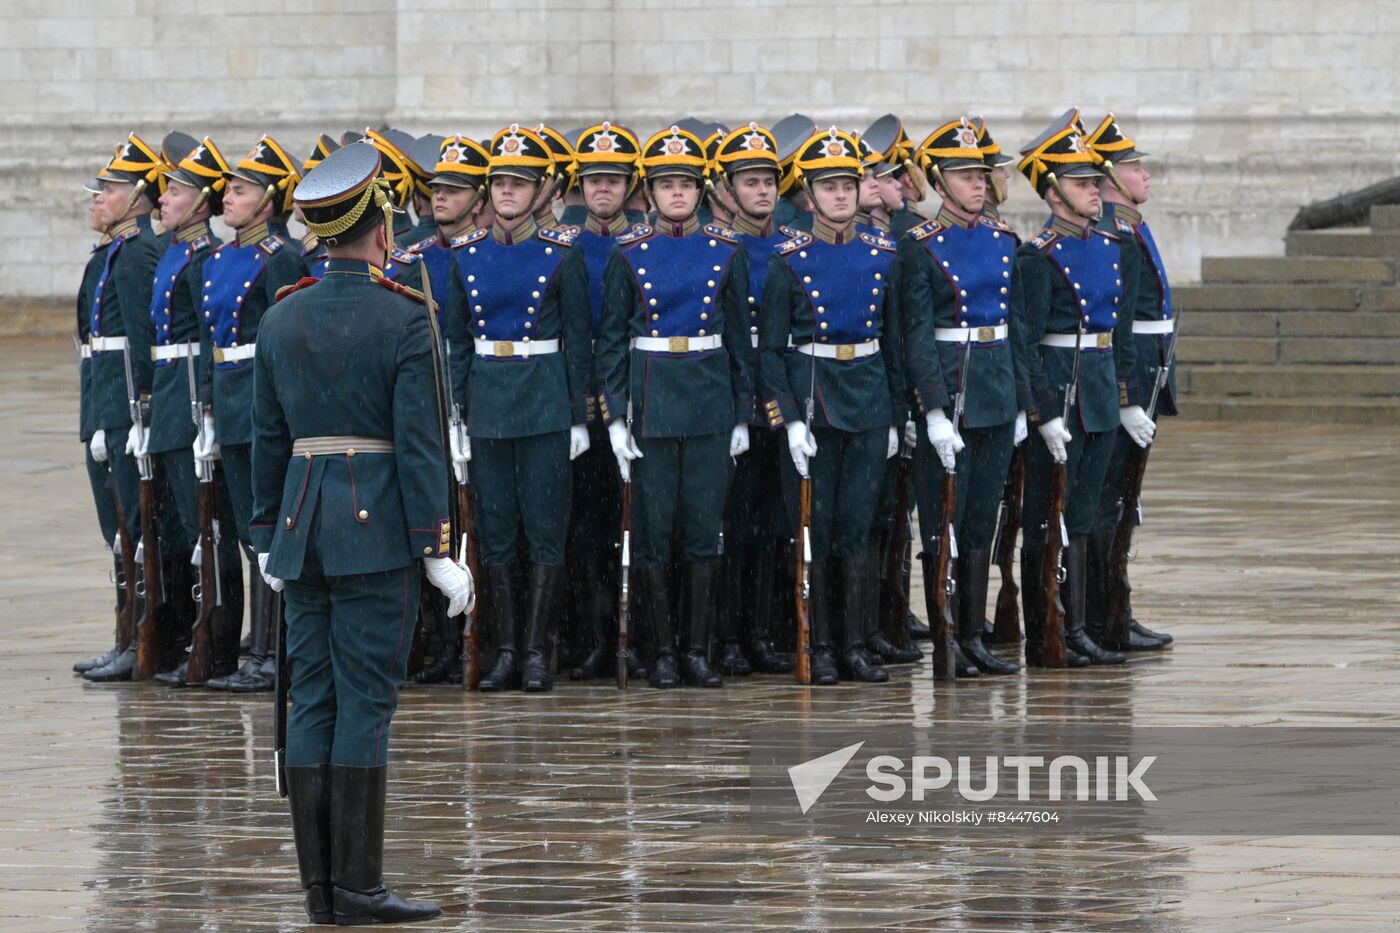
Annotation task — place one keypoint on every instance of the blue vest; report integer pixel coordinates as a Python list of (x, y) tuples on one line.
[(176, 259), (95, 312), (1144, 233), (399, 262), (437, 265), (679, 280), (845, 284), (977, 263), (505, 284), (760, 250), (596, 250), (1090, 266), (230, 275)]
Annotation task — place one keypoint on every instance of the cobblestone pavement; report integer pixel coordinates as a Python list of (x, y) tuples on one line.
[(1271, 553)]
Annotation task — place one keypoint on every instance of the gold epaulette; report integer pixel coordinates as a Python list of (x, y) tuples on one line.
[(877, 241), (793, 245), (925, 230), (271, 244), (722, 233)]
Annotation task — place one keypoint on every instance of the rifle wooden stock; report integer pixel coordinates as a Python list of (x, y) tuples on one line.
[(202, 635), (1053, 653), (1006, 626), (1119, 588), (148, 628), (624, 581), (471, 655), (126, 615), (943, 624), (894, 619), (803, 665)]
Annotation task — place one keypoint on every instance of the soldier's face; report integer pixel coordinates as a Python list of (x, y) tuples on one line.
[(450, 202), (1082, 193), (241, 201), (94, 214), (756, 191), (870, 197), (968, 188), (676, 196), (110, 201), (891, 192), (511, 196), (1136, 179), (175, 204), (837, 198), (604, 193)]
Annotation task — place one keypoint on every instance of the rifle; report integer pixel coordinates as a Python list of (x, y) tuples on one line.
[(624, 598), (1006, 627), (894, 621), (803, 667), (1130, 510), (206, 554), (466, 546), (148, 550), (945, 580), (1053, 652), (126, 614)]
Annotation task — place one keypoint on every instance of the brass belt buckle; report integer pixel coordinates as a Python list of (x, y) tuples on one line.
[(986, 334), (503, 348), (678, 344), (845, 351), (1105, 340), (218, 354)]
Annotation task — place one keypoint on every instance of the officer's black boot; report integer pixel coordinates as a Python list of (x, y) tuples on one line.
[(973, 569), (499, 580), (734, 607), (860, 607), (760, 636), (358, 890), (699, 608), (1120, 634), (263, 676), (1073, 593), (121, 666), (108, 656), (655, 612), (541, 613), (820, 606), (309, 798)]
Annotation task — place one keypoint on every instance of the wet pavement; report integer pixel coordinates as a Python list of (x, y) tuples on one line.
[(1271, 553)]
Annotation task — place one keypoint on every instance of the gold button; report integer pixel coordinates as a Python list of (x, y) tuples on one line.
[(363, 514), (289, 521), (427, 550), (807, 280), (307, 456), (350, 452)]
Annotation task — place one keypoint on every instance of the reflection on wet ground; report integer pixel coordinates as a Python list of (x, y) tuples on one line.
[(1271, 553)]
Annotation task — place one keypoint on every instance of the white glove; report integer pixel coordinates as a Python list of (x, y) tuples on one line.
[(98, 446), (1139, 427), (270, 580), (625, 449), (802, 445), (206, 445), (944, 438), (138, 442), (739, 440), (452, 580), (1021, 433), (911, 434), (893, 447), (1056, 437), (578, 441)]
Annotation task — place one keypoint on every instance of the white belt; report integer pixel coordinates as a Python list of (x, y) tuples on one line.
[(107, 344), (84, 352), (1103, 341), (975, 334), (175, 351), (839, 351), (516, 349), (235, 354), (1153, 327), (676, 344)]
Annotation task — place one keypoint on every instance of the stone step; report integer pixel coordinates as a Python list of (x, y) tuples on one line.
[(1327, 348), (1204, 324), (1293, 269), (1300, 381), (1233, 297), (1326, 410), (1385, 217), (1197, 350), (1343, 241)]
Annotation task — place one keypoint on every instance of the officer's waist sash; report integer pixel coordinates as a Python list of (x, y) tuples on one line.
[(347, 445)]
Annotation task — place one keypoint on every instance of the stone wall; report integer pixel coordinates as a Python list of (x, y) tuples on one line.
[(1250, 107)]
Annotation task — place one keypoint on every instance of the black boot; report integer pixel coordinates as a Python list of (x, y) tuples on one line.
[(918, 630), (259, 597), (541, 613), (309, 798), (1114, 634), (1137, 628), (734, 606), (357, 853), (860, 607), (596, 608), (762, 657), (973, 569), (228, 618), (655, 614), (1074, 593), (819, 609), (110, 655), (443, 641), (121, 666), (961, 666), (178, 628), (699, 607), (499, 580), (263, 677)]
